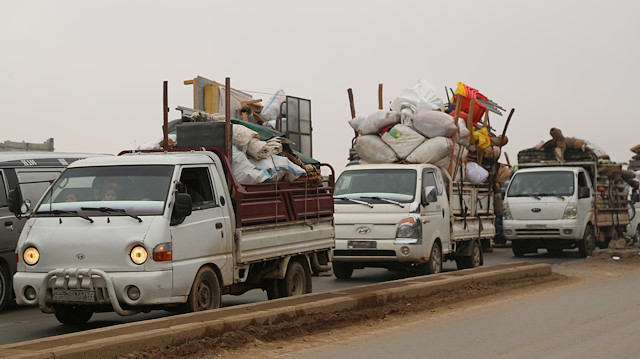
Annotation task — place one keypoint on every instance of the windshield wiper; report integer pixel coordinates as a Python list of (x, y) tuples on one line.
[(385, 200), (355, 201), (108, 210), (58, 212)]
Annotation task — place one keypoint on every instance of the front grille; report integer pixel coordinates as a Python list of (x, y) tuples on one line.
[(364, 253), (543, 232)]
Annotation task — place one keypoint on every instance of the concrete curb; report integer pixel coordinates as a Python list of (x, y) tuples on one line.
[(112, 341)]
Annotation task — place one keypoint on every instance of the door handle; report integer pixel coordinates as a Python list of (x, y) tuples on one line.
[(218, 225), (8, 225)]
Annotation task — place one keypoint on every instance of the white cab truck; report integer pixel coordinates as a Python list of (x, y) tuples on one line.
[(179, 232), (566, 205), (400, 216)]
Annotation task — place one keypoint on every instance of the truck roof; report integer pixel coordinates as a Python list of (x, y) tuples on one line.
[(151, 158), (415, 166), (41, 159), (550, 169)]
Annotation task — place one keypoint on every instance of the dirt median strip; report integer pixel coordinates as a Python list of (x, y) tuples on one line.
[(113, 341)]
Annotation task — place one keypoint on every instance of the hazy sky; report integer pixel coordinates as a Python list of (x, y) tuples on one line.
[(89, 74)]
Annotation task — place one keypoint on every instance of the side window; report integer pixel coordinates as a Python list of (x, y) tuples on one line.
[(582, 181), (196, 182), (429, 179), (3, 191)]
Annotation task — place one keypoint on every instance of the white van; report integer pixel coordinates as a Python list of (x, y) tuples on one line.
[(32, 172)]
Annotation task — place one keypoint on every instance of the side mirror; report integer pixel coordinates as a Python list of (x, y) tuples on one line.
[(16, 204), (584, 192), (181, 209), (428, 195)]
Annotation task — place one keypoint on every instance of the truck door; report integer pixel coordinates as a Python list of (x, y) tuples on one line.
[(202, 236), (435, 216), (585, 203), (9, 230)]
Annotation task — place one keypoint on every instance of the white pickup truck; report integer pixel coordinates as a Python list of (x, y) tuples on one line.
[(167, 230), (558, 206), (400, 216)]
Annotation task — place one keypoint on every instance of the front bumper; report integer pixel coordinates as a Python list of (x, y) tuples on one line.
[(98, 286), (565, 229), (380, 250)]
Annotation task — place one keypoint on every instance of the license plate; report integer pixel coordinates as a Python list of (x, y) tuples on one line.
[(74, 295), (362, 244), (536, 226)]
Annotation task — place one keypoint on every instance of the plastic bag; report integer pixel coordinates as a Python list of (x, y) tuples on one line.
[(476, 174), (279, 168), (372, 149), (417, 98), (431, 150), (402, 140), (244, 171), (371, 124), (464, 135), (271, 111), (433, 124)]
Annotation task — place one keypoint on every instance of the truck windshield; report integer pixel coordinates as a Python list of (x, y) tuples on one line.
[(125, 190), (386, 184), (543, 183)]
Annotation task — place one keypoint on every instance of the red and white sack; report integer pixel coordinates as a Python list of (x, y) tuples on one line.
[(433, 124), (372, 149), (475, 173), (402, 140), (373, 123), (431, 150)]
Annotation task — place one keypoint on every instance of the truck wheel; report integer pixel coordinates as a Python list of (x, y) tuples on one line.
[(434, 264), (342, 270), (472, 261), (636, 239), (205, 291), (588, 243), (518, 248), (296, 281), (271, 286), (72, 314), (5, 287)]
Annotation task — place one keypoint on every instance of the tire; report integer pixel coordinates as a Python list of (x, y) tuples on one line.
[(296, 281), (271, 286), (5, 287), (434, 264), (588, 243), (73, 314), (472, 261), (636, 239), (342, 270), (518, 248), (205, 292)]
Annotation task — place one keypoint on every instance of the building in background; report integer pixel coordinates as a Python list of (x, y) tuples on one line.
[(27, 146)]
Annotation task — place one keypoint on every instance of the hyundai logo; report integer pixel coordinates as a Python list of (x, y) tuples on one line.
[(80, 256), (363, 230), (535, 210)]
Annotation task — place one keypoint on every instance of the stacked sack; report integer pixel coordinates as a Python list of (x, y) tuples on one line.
[(417, 130)]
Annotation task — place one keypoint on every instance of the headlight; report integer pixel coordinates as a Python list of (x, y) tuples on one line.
[(571, 212), (139, 255), (409, 227), (506, 212), (31, 256)]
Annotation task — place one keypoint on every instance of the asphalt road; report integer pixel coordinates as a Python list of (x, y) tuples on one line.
[(19, 324), (592, 319)]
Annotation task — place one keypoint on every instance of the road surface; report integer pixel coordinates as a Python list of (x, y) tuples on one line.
[(25, 323)]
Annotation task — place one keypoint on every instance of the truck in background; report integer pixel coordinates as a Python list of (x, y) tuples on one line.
[(403, 216), (563, 205), (32, 172)]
